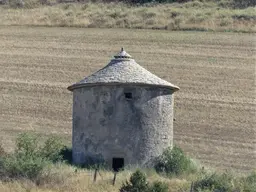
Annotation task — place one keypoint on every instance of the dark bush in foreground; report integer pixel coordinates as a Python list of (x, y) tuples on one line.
[(215, 182), (138, 183), (16, 166), (156, 1), (225, 182), (244, 3), (174, 162), (30, 158), (159, 187), (250, 182)]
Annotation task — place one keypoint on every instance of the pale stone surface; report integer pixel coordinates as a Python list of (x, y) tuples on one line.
[(106, 124)]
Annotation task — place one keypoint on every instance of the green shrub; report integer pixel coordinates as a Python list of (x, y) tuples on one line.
[(174, 162), (29, 158), (212, 182), (250, 183), (159, 187), (138, 183), (16, 166), (52, 149), (27, 145), (25, 161), (155, 1), (244, 3)]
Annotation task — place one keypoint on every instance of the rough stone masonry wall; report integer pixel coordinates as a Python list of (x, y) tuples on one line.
[(106, 124)]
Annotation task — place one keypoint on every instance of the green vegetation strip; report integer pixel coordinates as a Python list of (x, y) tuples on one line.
[(40, 164)]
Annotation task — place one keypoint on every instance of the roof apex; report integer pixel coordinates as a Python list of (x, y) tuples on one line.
[(122, 55)]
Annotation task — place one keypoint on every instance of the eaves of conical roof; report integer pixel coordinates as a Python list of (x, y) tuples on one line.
[(123, 70)]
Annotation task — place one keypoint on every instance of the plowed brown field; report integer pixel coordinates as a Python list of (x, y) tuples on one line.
[(214, 110)]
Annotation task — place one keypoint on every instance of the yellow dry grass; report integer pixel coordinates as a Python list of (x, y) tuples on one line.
[(214, 110), (68, 179), (194, 15)]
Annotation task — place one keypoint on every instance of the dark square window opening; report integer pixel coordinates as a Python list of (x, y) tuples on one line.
[(117, 164), (128, 95)]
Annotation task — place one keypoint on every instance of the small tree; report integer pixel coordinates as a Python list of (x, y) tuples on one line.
[(52, 149), (250, 182), (27, 145), (159, 187), (174, 161), (30, 158), (214, 182), (26, 161), (138, 183)]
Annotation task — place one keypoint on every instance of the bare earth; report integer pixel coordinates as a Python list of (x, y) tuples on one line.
[(214, 110)]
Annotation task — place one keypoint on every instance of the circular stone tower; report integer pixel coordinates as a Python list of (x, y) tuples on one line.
[(122, 115)]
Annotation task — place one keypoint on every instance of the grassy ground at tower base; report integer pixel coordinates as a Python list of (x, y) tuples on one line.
[(66, 178), (38, 165), (192, 15)]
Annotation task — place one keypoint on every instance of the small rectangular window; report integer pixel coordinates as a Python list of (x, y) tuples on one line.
[(128, 95)]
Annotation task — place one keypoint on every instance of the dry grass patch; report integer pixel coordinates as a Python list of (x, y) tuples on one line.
[(194, 15), (64, 178)]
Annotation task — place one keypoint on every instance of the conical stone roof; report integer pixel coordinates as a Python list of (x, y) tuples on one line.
[(123, 70)]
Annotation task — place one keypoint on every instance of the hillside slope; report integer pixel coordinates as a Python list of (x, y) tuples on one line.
[(193, 15)]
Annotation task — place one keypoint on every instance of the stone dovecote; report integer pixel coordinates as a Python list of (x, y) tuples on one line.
[(122, 115)]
